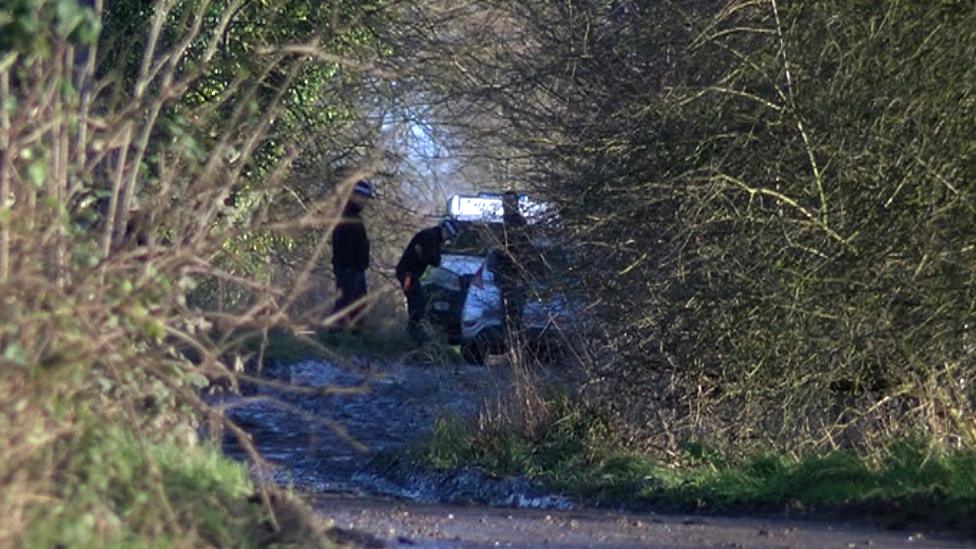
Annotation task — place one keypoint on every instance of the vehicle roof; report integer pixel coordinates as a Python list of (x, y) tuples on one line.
[(487, 207)]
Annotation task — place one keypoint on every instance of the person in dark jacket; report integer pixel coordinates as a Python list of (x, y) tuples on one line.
[(512, 262), (350, 259), (424, 250)]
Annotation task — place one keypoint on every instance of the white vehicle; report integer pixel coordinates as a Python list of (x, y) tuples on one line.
[(464, 299), (479, 223), (546, 313), (445, 288)]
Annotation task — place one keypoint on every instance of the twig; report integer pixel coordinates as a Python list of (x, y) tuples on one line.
[(5, 151)]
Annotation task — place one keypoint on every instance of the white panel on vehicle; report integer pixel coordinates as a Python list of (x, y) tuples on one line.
[(475, 208), (461, 264), (488, 208)]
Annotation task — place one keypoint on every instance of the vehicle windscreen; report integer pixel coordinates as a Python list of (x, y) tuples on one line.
[(476, 239), (546, 262)]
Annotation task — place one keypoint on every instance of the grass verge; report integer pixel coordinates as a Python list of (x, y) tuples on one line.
[(118, 490), (286, 346), (569, 453)]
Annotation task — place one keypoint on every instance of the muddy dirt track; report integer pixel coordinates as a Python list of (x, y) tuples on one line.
[(406, 524), (295, 432)]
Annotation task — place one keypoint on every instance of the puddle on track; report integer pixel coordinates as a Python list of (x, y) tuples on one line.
[(302, 434)]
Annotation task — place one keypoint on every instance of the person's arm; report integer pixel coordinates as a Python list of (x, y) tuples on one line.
[(436, 244), (340, 245), (431, 253), (364, 259)]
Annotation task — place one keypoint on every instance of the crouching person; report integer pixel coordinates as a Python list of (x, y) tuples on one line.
[(424, 250)]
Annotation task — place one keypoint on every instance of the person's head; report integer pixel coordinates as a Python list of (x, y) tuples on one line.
[(510, 201), (449, 229), (362, 191)]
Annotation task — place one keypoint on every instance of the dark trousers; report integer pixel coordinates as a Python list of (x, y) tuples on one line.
[(512, 287), (351, 284), (513, 301), (416, 305)]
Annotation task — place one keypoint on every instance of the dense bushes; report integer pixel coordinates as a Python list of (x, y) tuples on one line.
[(141, 149), (811, 249), (778, 201)]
